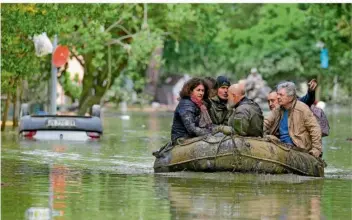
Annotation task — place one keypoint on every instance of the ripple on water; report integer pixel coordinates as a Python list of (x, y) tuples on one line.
[(59, 155), (333, 172), (117, 164)]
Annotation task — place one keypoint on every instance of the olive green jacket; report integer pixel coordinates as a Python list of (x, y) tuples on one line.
[(218, 111), (247, 118)]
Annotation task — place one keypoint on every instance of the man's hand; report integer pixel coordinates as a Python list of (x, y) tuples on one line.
[(272, 138), (315, 152), (227, 130), (312, 85)]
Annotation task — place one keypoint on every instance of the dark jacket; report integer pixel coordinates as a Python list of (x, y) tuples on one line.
[(308, 99), (186, 121), (247, 118), (218, 111)]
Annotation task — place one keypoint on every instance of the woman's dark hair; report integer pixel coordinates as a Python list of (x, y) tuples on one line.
[(211, 81), (192, 84), (211, 84)]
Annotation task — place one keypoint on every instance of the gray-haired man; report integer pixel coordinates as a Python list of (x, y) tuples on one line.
[(294, 123)]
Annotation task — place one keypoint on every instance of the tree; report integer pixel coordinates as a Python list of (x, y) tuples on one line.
[(332, 24), (279, 39), (20, 22), (198, 39)]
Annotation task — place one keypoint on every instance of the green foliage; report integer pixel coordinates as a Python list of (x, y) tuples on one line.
[(19, 23), (198, 39), (118, 91), (333, 25), (278, 39), (143, 44), (71, 87)]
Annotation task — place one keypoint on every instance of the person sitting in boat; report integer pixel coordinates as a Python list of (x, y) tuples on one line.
[(308, 99), (246, 116), (217, 104), (191, 117), (294, 123)]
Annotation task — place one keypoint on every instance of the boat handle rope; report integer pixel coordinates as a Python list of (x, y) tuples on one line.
[(269, 160), (217, 149), (241, 154), (277, 162), (246, 155)]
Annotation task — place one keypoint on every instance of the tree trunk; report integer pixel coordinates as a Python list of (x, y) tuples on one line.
[(87, 84), (15, 101), (152, 72), (6, 111), (95, 85), (88, 90), (318, 90), (88, 103), (336, 88), (91, 98)]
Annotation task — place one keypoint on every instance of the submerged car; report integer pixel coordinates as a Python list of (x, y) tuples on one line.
[(60, 127)]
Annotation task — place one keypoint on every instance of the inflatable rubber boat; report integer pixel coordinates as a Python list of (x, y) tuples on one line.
[(236, 154)]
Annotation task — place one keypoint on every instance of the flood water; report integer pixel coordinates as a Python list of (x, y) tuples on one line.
[(114, 179)]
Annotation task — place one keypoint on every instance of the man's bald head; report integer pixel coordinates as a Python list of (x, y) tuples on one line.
[(242, 83), (236, 93), (237, 89)]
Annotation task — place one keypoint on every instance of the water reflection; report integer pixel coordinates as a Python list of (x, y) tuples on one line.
[(60, 177), (241, 197), (153, 129)]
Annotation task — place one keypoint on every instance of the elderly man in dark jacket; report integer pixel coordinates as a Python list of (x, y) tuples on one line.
[(217, 105), (247, 117)]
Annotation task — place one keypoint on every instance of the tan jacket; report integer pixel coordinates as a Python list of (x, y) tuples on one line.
[(303, 127)]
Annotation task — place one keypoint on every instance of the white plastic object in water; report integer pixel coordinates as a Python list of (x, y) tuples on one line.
[(125, 117)]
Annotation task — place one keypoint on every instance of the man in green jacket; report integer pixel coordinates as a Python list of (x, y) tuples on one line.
[(217, 105), (246, 117)]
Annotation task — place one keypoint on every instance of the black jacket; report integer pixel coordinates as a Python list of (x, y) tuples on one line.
[(186, 121)]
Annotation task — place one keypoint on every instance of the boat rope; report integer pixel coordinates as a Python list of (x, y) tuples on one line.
[(217, 149), (204, 138), (237, 151), (277, 162), (267, 160), (241, 154), (246, 155), (199, 158), (193, 140)]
